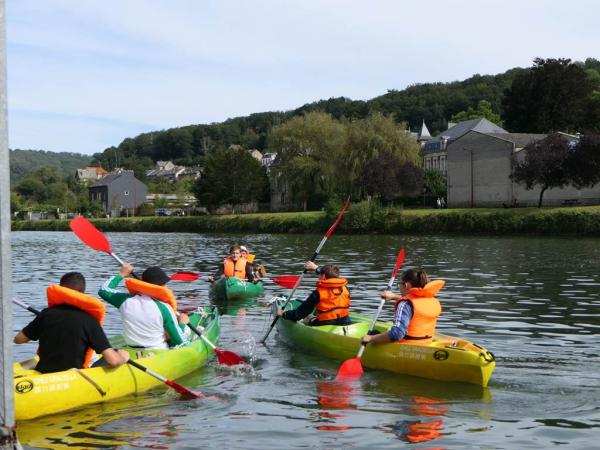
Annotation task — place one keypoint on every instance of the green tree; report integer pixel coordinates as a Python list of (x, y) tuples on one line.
[(554, 95), (484, 109), (435, 183), (231, 177), (44, 186), (546, 164), (387, 177), (309, 154), (368, 140)]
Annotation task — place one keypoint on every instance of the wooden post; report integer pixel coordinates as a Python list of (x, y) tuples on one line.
[(8, 437)]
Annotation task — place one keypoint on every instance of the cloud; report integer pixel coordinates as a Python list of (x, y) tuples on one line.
[(115, 68)]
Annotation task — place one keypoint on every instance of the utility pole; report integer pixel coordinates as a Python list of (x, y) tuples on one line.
[(8, 436)]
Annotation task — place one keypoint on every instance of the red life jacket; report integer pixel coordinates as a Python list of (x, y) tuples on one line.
[(426, 310), (155, 291), (60, 295), (235, 269), (334, 299)]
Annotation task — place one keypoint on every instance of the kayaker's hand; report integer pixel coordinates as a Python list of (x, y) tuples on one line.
[(124, 355), (183, 318), (280, 312), (126, 270), (211, 279), (388, 295), (366, 339), (310, 265)]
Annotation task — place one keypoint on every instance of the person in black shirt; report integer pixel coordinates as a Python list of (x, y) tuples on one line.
[(65, 332)]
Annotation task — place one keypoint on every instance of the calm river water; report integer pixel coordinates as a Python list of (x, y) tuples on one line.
[(533, 302)]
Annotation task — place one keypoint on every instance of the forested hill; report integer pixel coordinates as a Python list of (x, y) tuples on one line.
[(435, 103), (23, 162)]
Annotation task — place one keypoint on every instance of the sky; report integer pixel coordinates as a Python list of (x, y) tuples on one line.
[(83, 75)]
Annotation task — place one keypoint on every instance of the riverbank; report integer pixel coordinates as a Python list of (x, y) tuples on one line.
[(360, 219)]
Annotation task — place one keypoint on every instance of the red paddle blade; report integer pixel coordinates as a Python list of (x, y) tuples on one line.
[(286, 281), (183, 390), (350, 370), (339, 217), (228, 358), (89, 234), (185, 276)]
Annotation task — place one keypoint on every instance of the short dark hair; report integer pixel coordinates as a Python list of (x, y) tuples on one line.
[(416, 278), (234, 247), (329, 271), (73, 280)]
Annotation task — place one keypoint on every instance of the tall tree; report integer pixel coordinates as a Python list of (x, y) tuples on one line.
[(546, 164), (389, 178), (309, 155), (484, 109), (584, 162), (231, 177), (554, 95)]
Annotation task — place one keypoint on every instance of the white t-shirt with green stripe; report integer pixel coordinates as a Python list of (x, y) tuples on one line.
[(145, 320)]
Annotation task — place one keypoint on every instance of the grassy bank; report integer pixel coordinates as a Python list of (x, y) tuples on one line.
[(362, 218)]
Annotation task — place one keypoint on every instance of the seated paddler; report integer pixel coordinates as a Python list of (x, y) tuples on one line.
[(69, 330), (148, 309), (330, 301), (416, 310), (235, 265)]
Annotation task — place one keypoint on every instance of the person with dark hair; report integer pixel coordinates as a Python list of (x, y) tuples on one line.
[(70, 331), (416, 310), (330, 301), (148, 309), (235, 265)]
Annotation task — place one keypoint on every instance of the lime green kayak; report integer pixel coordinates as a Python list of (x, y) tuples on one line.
[(235, 289), (38, 394), (447, 358)]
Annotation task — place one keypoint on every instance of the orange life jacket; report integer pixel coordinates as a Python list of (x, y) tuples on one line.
[(334, 299), (250, 257), (235, 269), (60, 295), (426, 310), (162, 293)]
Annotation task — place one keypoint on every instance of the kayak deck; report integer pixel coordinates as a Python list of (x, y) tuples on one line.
[(38, 394), (447, 358), (235, 289)]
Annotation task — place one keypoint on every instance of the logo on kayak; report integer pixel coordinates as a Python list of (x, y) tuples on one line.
[(441, 355), (23, 387)]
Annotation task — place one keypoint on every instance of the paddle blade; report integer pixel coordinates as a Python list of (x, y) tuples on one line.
[(183, 390), (185, 276), (350, 370), (228, 358), (89, 234), (286, 281)]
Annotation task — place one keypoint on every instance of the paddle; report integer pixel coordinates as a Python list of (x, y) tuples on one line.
[(351, 369), (179, 388), (320, 246), (92, 237), (285, 281)]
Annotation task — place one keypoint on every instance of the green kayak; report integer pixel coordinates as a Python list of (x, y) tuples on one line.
[(235, 289), (447, 358)]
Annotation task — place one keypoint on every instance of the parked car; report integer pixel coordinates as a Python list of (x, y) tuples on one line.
[(163, 212)]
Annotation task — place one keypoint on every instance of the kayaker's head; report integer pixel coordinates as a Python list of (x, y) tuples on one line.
[(244, 251), (73, 280), (235, 252), (329, 271), (155, 275), (412, 278)]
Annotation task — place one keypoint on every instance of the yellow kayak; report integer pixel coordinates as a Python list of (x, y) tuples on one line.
[(447, 358), (38, 394)]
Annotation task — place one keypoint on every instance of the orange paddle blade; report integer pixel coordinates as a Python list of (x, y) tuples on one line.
[(350, 370), (185, 276), (89, 234), (286, 281)]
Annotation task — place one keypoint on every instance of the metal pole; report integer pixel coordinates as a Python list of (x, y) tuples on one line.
[(8, 438)]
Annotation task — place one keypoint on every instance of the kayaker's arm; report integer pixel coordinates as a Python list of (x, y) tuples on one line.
[(115, 357), (305, 308), (109, 293), (403, 315), (170, 323), (21, 338)]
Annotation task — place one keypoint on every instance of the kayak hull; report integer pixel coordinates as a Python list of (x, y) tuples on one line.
[(235, 289), (447, 358), (38, 394)]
